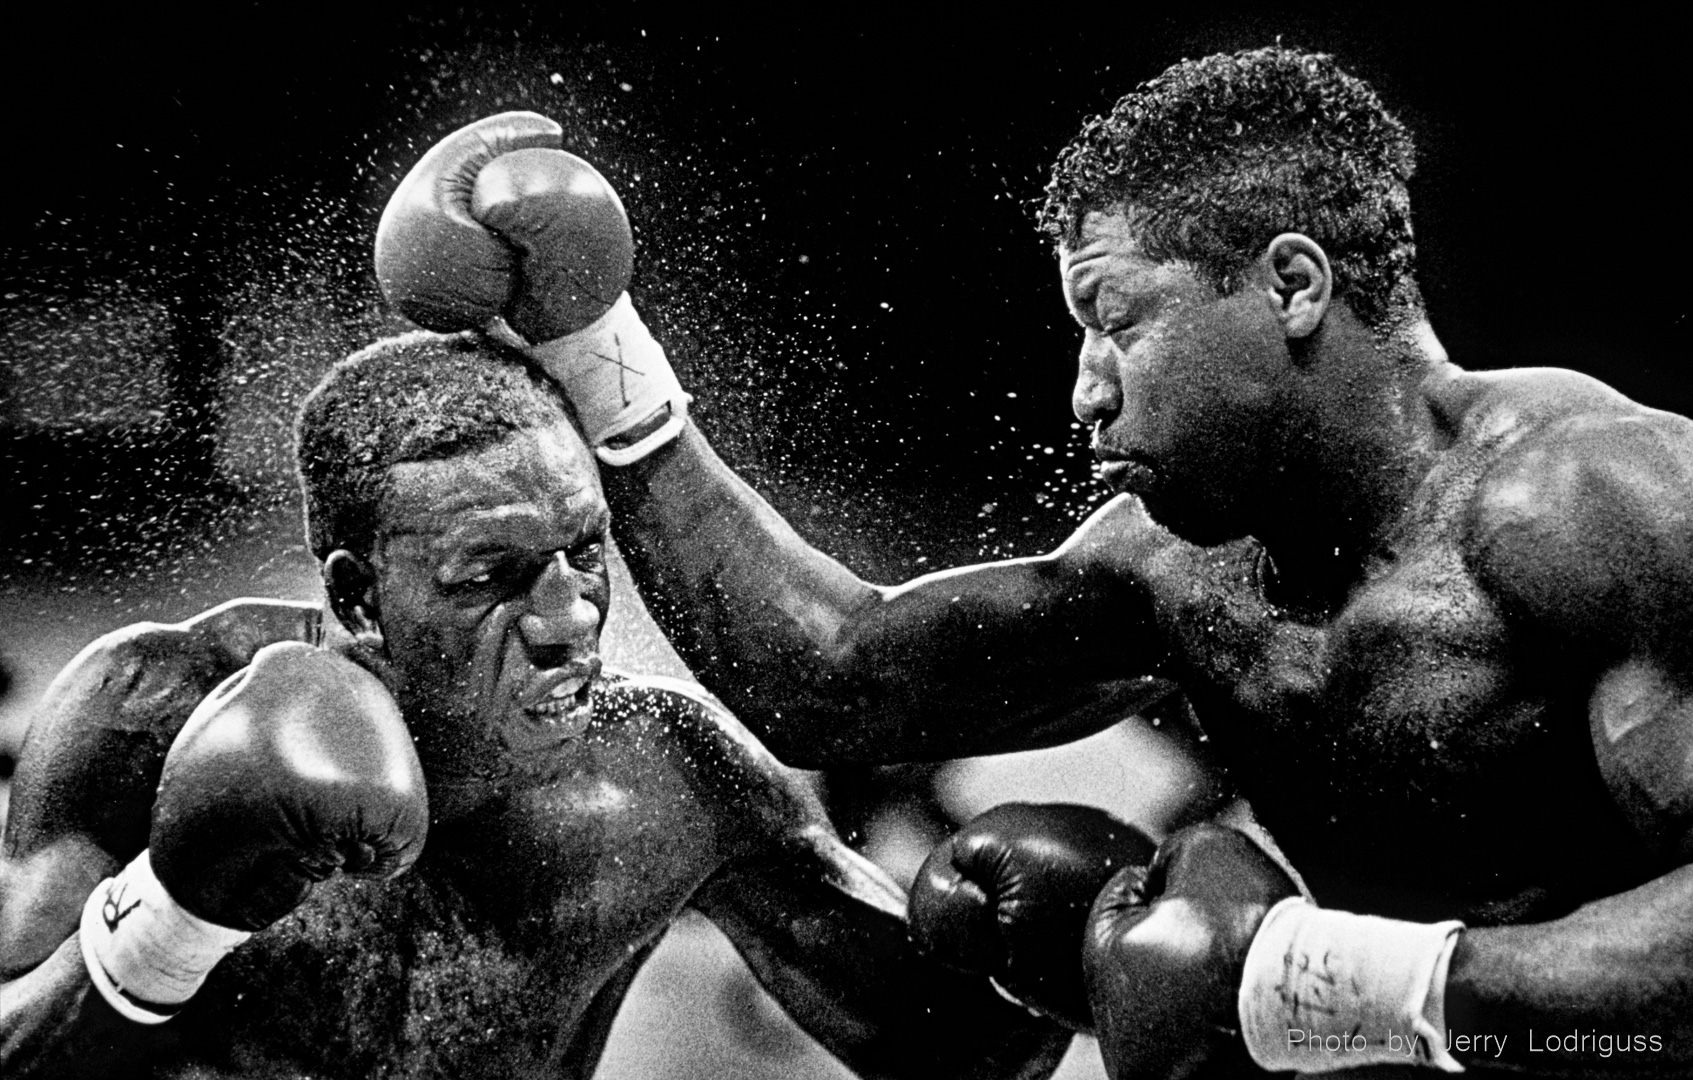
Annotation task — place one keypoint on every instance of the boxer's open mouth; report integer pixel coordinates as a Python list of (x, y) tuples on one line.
[(561, 700)]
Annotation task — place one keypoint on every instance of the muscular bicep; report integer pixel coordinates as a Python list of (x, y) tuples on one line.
[(1005, 656), (1584, 535), (79, 803), (81, 796), (830, 670), (1642, 724)]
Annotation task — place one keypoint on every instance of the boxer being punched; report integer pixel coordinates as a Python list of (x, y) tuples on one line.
[(1437, 625), (168, 898)]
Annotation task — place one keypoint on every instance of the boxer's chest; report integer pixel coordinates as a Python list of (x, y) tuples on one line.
[(482, 961), (372, 980), (1410, 753)]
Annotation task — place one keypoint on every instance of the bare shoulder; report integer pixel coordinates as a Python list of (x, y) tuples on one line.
[(683, 711), (725, 763), (1582, 515)]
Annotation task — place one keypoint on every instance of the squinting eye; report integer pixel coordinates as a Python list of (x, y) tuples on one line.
[(588, 556), (475, 581)]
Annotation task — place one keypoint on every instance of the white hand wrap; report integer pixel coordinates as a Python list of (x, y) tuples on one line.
[(1326, 990), (145, 954), (615, 376)]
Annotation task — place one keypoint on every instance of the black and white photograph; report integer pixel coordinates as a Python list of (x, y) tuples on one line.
[(1144, 543)]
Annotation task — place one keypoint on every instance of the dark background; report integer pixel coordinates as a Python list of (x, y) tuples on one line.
[(834, 227), (835, 244)]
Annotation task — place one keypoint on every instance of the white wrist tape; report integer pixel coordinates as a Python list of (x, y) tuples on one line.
[(1326, 990), (615, 376), (145, 953)]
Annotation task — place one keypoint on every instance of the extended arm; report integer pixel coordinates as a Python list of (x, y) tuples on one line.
[(830, 670), (824, 930), (496, 223)]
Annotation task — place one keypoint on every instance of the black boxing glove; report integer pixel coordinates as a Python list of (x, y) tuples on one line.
[(1165, 947), (295, 767), (1008, 896)]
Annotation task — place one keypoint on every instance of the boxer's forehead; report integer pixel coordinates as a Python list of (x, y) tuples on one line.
[(1103, 232), (540, 485), (1108, 258)]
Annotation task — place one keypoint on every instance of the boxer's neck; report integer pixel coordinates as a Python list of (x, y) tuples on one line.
[(1360, 439)]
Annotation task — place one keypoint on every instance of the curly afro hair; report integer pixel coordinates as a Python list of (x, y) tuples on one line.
[(1216, 157), (417, 397)]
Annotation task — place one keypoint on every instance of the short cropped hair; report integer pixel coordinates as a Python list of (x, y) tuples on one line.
[(417, 397), (1216, 157)]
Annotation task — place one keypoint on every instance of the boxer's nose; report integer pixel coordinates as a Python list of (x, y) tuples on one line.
[(1096, 397), (561, 613)]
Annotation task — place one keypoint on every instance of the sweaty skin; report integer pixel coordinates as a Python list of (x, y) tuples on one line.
[(575, 815), (1437, 625)]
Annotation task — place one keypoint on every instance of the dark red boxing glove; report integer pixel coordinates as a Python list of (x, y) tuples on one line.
[(498, 219), (1008, 896), (1165, 948), (296, 767)]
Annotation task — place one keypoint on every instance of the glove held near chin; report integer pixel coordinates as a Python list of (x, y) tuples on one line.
[(1326, 990), (145, 953)]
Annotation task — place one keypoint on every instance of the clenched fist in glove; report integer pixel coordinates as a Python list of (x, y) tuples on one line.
[(1209, 959), (1008, 895), (499, 227), (1165, 947), (296, 767)]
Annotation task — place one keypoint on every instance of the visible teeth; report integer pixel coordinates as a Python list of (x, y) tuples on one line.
[(568, 688), (551, 711), (565, 704)]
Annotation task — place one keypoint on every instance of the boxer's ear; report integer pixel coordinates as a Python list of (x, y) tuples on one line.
[(1301, 280), (350, 581)]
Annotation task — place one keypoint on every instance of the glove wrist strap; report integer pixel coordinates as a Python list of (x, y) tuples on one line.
[(617, 378), (632, 452), (1327, 990), (145, 953)]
